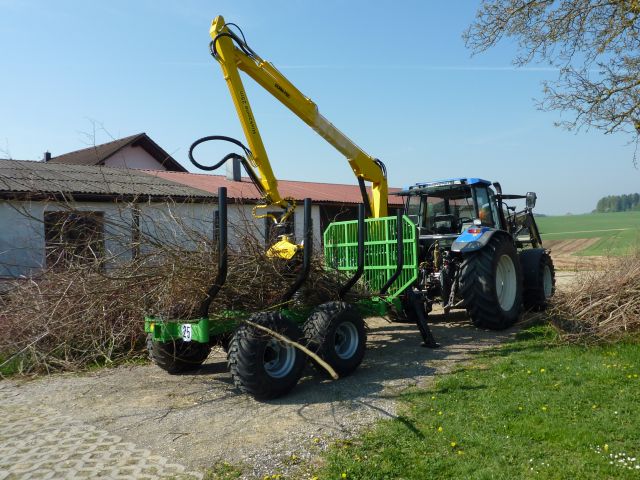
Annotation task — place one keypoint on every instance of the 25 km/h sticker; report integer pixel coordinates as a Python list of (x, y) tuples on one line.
[(186, 332)]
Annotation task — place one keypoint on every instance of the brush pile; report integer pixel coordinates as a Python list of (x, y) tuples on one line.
[(89, 314), (603, 306)]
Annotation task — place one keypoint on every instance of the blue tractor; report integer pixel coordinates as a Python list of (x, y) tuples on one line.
[(476, 252)]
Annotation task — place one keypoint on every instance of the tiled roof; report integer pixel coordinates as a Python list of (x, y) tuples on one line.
[(318, 192), (20, 176), (97, 154)]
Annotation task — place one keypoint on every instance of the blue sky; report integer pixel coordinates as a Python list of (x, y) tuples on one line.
[(394, 76)]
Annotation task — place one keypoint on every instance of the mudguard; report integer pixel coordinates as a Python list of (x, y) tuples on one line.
[(473, 239)]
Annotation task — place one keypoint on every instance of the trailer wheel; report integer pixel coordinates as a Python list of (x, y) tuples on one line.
[(261, 365), (539, 278), (336, 332), (491, 284), (177, 356)]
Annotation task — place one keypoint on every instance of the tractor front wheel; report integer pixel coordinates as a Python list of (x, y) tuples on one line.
[(539, 278), (491, 284), (177, 356), (336, 332), (260, 364)]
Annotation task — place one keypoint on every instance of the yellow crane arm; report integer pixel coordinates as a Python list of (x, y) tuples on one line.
[(233, 54)]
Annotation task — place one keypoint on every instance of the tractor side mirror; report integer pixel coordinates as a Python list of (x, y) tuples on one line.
[(531, 199)]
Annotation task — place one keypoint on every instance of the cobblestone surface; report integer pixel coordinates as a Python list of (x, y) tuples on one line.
[(42, 443)]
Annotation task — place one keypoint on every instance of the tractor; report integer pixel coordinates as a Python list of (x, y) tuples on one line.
[(476, 252)]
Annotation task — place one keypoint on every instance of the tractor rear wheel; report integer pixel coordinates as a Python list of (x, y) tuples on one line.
[(539, 278), (491, 284), (177, 356), (336, 332), (262, 365)]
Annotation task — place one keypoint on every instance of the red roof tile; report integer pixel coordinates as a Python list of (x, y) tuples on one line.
[(318, 192)]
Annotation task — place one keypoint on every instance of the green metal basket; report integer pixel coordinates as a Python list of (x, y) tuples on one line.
[(380, 252)]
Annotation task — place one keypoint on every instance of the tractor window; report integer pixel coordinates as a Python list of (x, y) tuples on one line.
[(447, 211), (485, 212)]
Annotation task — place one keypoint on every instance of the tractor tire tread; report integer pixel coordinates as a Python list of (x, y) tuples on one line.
[(533, 295), (480, 302)]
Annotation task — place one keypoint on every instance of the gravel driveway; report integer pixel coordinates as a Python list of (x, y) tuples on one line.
[(165, 426)]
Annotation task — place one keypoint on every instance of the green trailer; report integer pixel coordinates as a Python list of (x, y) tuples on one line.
[(378, 254)]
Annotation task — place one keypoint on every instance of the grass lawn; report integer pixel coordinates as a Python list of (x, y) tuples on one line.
[(531, 409), (618, 232)]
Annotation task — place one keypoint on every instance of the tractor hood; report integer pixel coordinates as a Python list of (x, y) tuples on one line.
[(472, 239)]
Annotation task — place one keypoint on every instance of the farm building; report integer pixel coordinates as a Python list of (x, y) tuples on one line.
[(99, 211), (136, 151), (116, 203)]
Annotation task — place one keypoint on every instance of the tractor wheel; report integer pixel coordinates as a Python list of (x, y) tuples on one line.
[(261, 365), (177, 356), (491, 284), (336, 332), (539, 278)]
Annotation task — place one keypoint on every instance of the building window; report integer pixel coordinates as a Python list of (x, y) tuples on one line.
[(74, 238)]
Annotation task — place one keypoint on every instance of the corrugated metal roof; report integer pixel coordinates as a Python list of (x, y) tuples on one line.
[(318, 192), (21, 176)]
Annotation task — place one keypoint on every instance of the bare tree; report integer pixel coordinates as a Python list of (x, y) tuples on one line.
[(595, 44)]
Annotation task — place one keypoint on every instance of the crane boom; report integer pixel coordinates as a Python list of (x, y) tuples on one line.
[(233, 54)]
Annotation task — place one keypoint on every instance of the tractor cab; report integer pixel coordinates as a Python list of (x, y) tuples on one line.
[(444, 209)]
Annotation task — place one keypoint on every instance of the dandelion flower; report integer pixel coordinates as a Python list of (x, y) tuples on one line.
[(344, 475), (439, 429), (544, 408), (453, 444), (606, 447), (542, 370)]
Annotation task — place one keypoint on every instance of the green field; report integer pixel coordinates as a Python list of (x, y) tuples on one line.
[(531, 409), (619, 232)]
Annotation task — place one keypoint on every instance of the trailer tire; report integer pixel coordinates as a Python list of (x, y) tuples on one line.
[(539, 278), (177, 356), (336, 332), (261, 365), (491, 284)]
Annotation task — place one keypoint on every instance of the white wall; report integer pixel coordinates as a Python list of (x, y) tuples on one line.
[(241, 214), (133, 157), (22, 244)]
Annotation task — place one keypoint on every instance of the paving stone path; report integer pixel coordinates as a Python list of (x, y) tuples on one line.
[(42, 443)]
